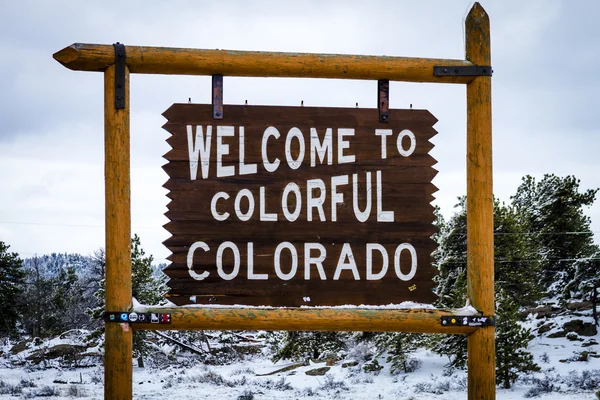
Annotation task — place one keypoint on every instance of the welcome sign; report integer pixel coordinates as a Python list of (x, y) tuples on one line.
[(299, 206)]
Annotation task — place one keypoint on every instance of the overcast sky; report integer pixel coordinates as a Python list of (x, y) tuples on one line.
[(545, 96)]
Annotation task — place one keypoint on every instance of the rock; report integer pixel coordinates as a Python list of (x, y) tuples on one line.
[(557, 334), (350, 364), (545, 328), (572, 336), (318, 371), (284, 369), (541, 312), (580, 327), (584, 305), (589, 343), (583, 356), (21, 346), (69, 352), (329, 358)]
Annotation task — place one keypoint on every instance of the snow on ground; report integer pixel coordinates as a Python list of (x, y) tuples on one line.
[(242, 381)]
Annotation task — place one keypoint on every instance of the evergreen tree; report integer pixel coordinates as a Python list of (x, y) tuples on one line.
[(451, 261), (515, 270), (12, 281), (398, 346), (96, 284), (146, 289), (512, 340), (36, 302), (552, 210), (586, 280), (294, 345)]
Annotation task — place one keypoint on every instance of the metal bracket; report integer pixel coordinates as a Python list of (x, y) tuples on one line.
[(463, 70), (133, 317), (468, 320), (120, 62), (383, 99), (217, 96)]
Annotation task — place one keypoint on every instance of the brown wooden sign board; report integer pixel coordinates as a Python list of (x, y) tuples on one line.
[(299, 206)]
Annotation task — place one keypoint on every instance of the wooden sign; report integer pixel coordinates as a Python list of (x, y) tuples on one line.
[(299, 206)]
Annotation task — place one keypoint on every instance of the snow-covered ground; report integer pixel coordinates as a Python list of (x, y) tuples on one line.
[(571, 379)]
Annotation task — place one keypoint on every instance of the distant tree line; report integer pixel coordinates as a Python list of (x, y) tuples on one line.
[(543, 247)]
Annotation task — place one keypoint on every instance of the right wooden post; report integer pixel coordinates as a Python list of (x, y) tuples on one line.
[(480, 217)]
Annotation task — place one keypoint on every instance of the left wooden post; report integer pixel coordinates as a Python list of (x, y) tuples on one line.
[(118, 337)]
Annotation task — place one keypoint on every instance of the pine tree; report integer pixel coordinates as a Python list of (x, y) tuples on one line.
[(398, 346), (552, 210), (515, 270), (146, 289), (295, 345), (586, 280), (512, 340), (12, 281)]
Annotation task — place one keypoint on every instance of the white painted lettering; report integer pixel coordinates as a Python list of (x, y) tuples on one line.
[(200, 146), (315, 202), (269, 166), (384, 133), (350, 264), (320, 149), (213, 206), (223, 149), (344, 144), (297, 134), (237, 205), (291, 188), (245, 169), (190, 260), (316, 261), (337, 198), (370, 248), (294, 257), (413, 261), (251, 274), (382, 216), (361, 216), (264, 216), (236, 261), (413, 142)]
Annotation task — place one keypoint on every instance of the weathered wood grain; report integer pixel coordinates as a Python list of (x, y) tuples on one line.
[(406, 190), (307, 319), (480, 239), (181, 61), (118, 342)]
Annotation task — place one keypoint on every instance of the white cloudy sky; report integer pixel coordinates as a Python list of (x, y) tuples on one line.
[(545, 96)]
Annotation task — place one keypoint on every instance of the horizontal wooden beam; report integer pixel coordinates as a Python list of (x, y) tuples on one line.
[(178, 61), (306, 319)]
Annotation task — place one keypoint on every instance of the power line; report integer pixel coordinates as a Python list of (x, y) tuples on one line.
[(505, 261), (156, 228), (69, 225)]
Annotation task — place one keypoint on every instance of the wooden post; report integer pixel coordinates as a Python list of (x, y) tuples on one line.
[(118, 337), (480, 220)]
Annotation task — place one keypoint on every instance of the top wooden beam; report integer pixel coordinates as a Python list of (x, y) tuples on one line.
[(177, 61)]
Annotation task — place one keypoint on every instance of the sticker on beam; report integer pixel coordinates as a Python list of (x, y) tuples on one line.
[(468, 320), (133, 317)]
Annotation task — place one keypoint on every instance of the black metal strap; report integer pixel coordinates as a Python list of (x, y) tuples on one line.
[(133, 317), (217, 96), (468, 320), (464, 70), (120, 62), (383, 99)]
